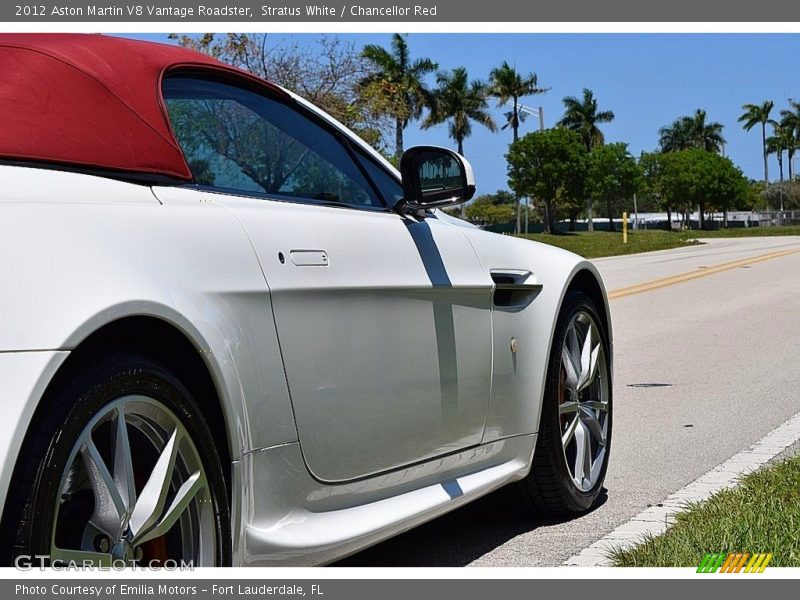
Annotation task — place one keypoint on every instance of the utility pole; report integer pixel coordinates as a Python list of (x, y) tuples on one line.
[(523, 111), (527, 200)]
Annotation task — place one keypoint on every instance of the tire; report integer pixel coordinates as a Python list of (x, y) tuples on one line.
[(552, 486), (66, 506)]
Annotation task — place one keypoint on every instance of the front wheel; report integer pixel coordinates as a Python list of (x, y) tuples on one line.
[(124, 471), (572, 448)]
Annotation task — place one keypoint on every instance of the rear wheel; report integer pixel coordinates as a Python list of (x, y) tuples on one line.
[(123, 469), (572, 448)]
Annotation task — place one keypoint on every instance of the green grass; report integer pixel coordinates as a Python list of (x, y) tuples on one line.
[(596, 244), (604, 243), (761, 515)]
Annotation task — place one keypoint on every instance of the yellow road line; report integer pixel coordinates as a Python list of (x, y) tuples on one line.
[(664, 282)]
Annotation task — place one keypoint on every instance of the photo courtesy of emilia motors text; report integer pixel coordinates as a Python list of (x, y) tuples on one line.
[(403, 299)]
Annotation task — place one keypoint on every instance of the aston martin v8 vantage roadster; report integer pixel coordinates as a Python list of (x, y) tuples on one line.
[(232, 334)]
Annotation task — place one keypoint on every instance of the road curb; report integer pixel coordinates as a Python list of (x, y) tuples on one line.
[(655, 520)]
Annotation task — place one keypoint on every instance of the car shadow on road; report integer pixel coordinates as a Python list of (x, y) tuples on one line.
[(457, 538)]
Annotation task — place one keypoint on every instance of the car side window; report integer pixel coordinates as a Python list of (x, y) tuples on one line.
[(241, 141), (389, 186)]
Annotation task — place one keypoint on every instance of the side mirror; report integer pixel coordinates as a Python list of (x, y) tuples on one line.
[(435, 177)]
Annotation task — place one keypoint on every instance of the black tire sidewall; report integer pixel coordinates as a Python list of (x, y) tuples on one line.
[(578, 500), (80, 400)]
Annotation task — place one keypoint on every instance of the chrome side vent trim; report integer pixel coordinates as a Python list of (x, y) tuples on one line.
[(514, 289)]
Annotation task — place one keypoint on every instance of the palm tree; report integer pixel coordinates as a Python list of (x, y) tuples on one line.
[(506, 83), (458, 102), (583, 117), (692, 131), (776, 144), (758, 114), (790, 123), (400, 82), (707, 136), (677, 136)]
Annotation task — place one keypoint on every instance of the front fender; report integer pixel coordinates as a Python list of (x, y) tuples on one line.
[(518, 376)]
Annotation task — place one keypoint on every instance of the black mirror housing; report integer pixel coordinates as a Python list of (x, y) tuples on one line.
[(435, 177)]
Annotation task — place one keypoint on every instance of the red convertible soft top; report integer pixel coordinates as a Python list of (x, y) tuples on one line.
[(93, 102)]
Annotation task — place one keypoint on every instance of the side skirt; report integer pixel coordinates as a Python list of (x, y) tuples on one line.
[(285, 517)]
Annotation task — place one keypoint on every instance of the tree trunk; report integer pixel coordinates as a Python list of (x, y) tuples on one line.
[(527, 213), (701, 216), (573, 217), (725, 218), (461, 152), (669, 219), (398, 138), (589, 214), (549, 217), (517, 199), (764, 151), (515, 121), (780, 164), (546, 219), (611, 226)]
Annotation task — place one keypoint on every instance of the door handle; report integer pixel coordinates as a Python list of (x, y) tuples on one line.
[(309, 258)]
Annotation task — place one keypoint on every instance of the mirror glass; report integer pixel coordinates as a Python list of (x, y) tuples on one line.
[(439, 172)]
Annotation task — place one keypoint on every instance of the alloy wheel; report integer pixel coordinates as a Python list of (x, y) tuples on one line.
[(583, 401), (134, 491)]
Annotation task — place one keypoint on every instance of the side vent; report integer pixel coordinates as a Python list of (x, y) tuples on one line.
[(514, 289)]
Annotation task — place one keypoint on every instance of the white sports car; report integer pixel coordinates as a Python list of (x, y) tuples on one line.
[(233, 334)]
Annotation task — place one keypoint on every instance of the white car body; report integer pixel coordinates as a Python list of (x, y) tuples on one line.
[(321, 371)]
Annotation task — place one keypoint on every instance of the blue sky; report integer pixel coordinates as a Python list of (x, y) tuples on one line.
[(648, 80)]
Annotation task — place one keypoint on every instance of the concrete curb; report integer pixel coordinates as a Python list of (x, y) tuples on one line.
[(655, 520)]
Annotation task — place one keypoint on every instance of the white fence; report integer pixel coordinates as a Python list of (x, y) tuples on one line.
[(713, 220)]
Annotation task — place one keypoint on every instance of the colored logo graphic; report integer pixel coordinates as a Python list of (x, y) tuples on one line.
[(734, 562)]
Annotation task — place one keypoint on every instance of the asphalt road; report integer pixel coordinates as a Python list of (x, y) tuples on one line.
[(723, 350)]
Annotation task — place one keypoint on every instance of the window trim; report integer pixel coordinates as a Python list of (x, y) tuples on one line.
[(341, 135), (271, 197)]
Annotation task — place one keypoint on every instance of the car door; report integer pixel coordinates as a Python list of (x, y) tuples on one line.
[(384, 320)]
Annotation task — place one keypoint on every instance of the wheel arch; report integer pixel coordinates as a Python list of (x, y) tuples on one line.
[(584, 277), (176, 350), (164, 341), (540, 489), (588, 281)]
